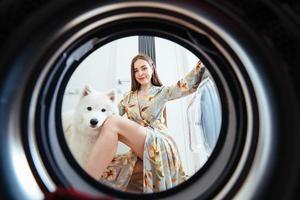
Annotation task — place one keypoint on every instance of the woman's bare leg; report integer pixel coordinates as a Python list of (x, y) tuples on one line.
[(136, 181), (138, 168), (114, 129)]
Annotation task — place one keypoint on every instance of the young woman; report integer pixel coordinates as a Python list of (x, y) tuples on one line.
[(153, 154)]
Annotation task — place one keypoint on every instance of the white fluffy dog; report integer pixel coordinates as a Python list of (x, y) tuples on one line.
[(82, 125)]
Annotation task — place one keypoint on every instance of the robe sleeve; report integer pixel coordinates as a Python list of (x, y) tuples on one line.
[(121, 107), (188, 84)]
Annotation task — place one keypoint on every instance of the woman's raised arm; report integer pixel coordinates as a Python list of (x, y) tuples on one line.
[(188, 84)]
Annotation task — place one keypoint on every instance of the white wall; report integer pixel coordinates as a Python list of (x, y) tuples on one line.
[(110, 64), (102, 69)]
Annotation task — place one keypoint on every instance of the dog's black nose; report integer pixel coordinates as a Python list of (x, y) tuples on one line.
[(93, 122)]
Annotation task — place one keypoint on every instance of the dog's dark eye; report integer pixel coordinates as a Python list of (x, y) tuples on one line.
[(89, 108), (103, 110)]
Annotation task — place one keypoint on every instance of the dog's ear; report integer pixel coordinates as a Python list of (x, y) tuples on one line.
[(86, 91), (111, 95)]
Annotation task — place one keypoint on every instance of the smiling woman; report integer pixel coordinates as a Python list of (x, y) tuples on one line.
[(148, 90)]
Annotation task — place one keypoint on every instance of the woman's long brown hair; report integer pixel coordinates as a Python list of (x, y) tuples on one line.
[(135, 86)]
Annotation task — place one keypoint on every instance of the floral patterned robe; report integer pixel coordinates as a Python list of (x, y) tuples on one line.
[(162, 167)]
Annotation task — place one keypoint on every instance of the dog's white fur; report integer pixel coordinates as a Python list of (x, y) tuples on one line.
[(82, 125)]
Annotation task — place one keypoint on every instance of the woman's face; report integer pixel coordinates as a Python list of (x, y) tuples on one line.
[(142, 72)]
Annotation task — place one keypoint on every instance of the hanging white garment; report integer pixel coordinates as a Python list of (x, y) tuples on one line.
[(204, 118)]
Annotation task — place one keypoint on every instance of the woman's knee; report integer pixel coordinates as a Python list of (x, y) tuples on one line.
[(111, 123)]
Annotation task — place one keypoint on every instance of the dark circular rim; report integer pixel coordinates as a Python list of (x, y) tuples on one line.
[(153, 26)]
